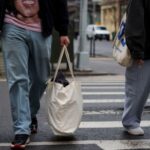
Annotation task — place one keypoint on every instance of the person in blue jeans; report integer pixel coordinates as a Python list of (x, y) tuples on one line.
[(137, 85), (26, 27)]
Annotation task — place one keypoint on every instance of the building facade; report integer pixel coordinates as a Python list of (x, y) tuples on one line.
[(93, 9), (111, 13), (93, 12)]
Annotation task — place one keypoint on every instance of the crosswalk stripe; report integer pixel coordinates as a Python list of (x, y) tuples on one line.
[(102, 93), (107, 112), (103, 144), (124, 144), (103, 101), (109, 124), (104, 112), (101, 84), (103, 87)]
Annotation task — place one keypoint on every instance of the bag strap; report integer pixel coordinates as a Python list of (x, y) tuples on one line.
[(124, 18), (69, 62), (115, 43), (64, 50)]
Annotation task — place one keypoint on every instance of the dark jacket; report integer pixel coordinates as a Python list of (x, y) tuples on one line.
[(138, 28), (52, 13)]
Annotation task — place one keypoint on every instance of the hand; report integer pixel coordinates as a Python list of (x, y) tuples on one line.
[(139, 62), (64, 40)]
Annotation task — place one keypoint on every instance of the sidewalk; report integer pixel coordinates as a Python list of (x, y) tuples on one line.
[(100, 66), (102, 69)]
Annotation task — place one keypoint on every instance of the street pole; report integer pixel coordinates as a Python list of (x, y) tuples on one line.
[(83, 54), (94, 12)]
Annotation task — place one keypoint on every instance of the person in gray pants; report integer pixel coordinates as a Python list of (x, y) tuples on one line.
[(137, 84)]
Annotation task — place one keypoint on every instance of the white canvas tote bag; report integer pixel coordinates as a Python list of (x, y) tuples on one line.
[(121, 52), (64, 104)]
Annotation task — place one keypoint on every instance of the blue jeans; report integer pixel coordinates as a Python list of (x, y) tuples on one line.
[(27, 65)]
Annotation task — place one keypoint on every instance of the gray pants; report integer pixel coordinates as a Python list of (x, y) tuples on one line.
[(27, 62), (137, 88)]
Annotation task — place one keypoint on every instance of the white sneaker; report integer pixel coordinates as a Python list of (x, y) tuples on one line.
[(136, 131)]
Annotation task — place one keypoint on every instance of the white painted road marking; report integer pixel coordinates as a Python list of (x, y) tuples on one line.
[(102, 84), (102, 93), (109, 124), (102, 87), (103, 144), (105, 101), (104, 112)]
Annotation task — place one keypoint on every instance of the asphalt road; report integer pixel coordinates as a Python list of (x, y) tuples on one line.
[(100, 127), (103, 48), (102, 63)]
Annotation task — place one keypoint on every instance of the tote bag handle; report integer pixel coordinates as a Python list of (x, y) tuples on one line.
[(64, 50)]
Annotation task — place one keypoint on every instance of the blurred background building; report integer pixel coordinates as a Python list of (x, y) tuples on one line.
[(101, 12), (94, 12), (112, 12)]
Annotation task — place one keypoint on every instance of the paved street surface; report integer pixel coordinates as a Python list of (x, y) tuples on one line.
[(100, 127), (102, 63)]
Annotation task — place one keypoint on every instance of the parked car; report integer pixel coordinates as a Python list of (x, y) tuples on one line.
[(97, 32)]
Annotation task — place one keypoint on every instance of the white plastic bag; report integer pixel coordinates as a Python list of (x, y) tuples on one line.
[(64, 104), (121, 52)]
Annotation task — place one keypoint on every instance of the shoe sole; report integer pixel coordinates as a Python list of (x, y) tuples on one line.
[(20, 147), (141, 134), (133, 134)]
